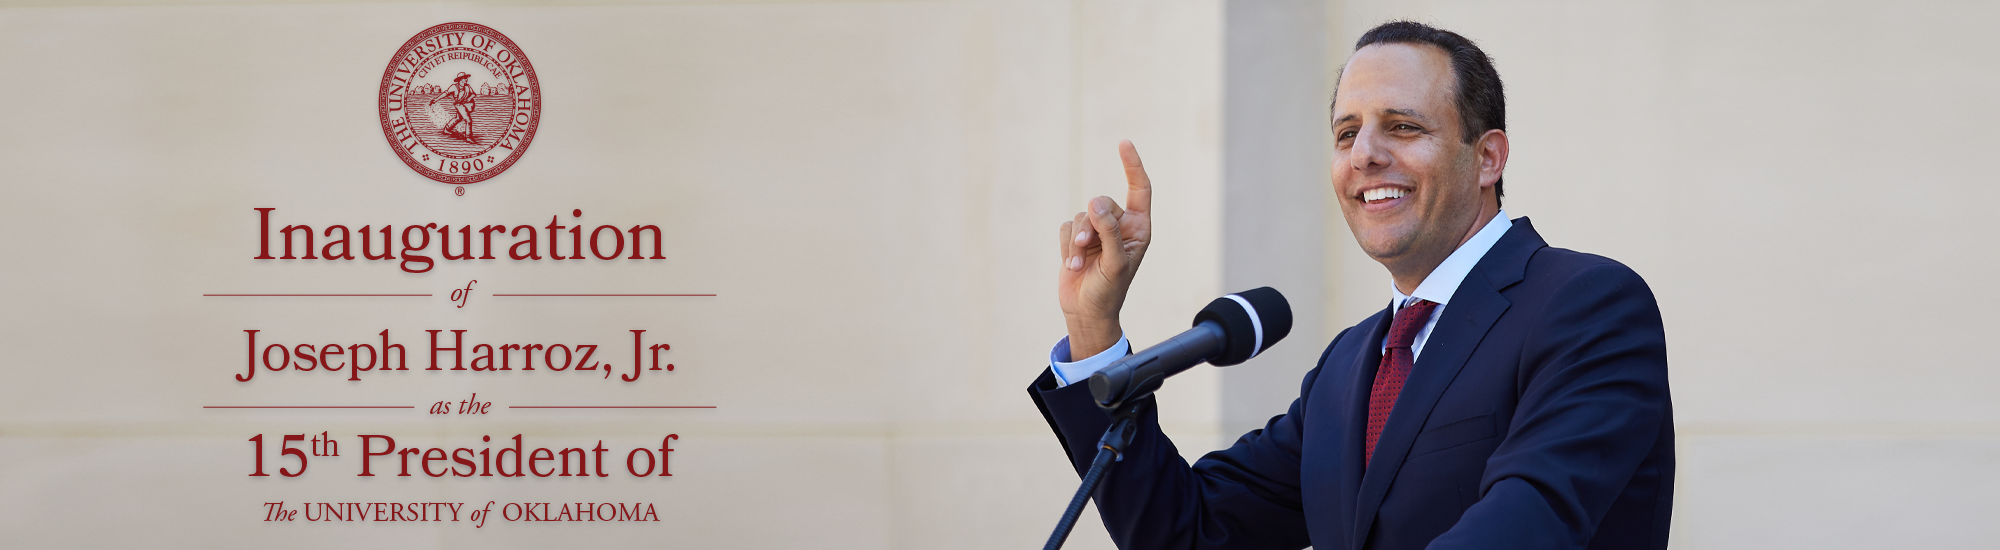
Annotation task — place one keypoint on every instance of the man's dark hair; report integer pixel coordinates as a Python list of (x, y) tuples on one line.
[(1481, 104)]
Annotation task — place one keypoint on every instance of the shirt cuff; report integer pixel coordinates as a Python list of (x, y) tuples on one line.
[(1069, 371)]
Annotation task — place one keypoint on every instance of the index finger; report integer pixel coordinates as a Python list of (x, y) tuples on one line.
[(1138, 187)]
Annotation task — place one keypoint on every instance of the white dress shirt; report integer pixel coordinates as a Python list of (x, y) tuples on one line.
[(1443, 281), (1437, 287)]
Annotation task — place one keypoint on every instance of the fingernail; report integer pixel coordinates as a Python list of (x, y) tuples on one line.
[(1098, 206), (1075, 263), (1082, 238)]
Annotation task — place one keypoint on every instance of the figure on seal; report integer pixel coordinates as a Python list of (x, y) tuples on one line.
[(461, 96)]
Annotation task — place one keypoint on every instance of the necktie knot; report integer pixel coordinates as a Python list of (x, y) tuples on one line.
[(1410, 320)]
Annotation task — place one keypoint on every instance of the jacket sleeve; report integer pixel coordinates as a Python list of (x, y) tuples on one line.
[(1593, 403), (1246, 496)]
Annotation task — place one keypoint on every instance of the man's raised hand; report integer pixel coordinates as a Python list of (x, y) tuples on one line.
[(1101, 250)]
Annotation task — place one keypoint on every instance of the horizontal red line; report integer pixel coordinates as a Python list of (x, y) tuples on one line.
[(307, 407), (611, 407), (317, 295), (605, 295)]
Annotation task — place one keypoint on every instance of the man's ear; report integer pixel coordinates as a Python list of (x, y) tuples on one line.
[(1492, 156)]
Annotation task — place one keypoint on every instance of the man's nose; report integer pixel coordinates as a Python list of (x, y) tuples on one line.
[(1367, 152)]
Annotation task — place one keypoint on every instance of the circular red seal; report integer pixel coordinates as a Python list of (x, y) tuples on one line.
[(460, 103)]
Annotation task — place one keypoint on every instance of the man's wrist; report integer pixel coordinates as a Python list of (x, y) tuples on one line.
[(1070, 369), (1091, 338)]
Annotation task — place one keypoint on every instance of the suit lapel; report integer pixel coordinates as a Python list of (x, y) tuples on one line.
[(1367, 356), (1465, 321)]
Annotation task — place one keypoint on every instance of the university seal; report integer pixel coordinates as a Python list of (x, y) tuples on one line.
[(460, 103)]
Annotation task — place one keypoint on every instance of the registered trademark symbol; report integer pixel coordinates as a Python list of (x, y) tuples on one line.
[(460, 191)]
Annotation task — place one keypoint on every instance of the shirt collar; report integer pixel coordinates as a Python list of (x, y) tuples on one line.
[(1443, 281)]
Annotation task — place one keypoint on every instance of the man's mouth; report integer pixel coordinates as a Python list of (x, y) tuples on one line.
[(1382, 195)]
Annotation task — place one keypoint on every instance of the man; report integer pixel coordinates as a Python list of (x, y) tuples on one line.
[(462, 102), (1512, 395)]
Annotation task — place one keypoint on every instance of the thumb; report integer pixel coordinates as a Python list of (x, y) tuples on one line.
[(1103, 216)]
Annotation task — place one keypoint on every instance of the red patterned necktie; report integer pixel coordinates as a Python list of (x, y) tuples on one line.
[(1395, 368)]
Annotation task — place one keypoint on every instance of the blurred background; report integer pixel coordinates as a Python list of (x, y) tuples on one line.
[(872, 190)]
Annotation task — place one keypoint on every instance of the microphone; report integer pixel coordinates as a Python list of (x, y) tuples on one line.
[(1230, 330)]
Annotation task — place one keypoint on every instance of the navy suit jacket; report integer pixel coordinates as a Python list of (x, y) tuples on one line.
[(1537, 416)]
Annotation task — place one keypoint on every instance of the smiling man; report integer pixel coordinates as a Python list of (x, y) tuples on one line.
[(1511, 395)]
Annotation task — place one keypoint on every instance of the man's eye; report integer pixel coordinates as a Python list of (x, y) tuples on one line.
[(1404, 127), (1346, 134)]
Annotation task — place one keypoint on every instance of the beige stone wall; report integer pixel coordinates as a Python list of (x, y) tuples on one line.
[(871, 189)]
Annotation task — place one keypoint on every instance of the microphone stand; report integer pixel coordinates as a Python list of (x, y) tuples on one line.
[(1110, 448)]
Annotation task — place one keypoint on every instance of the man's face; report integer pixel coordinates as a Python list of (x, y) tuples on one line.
[(1408, 182)]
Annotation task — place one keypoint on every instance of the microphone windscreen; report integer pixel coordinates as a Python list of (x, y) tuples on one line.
[(1275, 312), (1252, 320)]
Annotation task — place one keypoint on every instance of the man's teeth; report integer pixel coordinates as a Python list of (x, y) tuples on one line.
[(1381, 193)]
